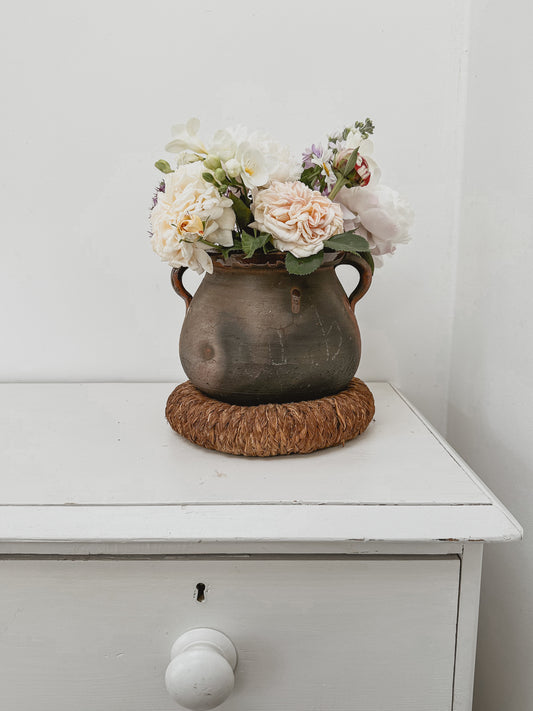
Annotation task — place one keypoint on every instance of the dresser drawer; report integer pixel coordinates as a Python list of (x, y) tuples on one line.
[(312, 634)]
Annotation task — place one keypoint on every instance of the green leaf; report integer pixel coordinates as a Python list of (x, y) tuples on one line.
[(163, 166), (341, 182), (250, 242), (365, 128), (347, 242), (268, 247), (235, 247), (368, 258), (242, 212), (303, 265), (309, 175), (350, 165)]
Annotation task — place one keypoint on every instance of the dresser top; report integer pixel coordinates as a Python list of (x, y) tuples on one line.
[(85, 459)]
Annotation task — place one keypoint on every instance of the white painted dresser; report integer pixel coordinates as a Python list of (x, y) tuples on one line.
[(347, 580)]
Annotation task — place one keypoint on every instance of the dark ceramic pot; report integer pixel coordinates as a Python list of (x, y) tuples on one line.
[(254, 333)]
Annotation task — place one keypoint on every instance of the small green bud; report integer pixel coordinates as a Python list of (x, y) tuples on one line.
[(208, 177), (163, 166), (220, 175), (212, 162)]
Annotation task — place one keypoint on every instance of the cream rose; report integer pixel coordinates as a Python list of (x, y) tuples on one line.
[(188, 210), (298, 218)]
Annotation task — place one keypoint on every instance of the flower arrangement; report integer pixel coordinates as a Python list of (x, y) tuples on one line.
[(244, 192)]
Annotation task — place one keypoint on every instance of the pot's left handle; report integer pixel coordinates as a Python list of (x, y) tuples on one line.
[(365, 276), (176, 279)]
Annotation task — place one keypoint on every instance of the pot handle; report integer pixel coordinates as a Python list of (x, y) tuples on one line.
[(176, 279), (365, 276)]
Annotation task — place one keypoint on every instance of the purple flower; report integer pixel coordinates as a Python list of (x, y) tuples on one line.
[(310, 153), (160, 189)]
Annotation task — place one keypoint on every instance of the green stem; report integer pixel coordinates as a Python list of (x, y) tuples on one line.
[(341, 182), (203, 241), (209, 244)]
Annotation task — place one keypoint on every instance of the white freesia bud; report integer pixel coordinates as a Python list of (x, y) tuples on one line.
[(233, 168)]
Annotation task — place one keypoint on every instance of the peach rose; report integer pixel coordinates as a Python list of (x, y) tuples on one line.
[(298, 218)]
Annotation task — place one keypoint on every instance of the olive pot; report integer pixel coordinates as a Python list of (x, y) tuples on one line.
[(253, 333)]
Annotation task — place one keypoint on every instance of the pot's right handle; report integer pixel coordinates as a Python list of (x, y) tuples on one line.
[(365, 276), (176, 279)]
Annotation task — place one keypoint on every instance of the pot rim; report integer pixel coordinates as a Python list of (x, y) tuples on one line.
[(271, 260)]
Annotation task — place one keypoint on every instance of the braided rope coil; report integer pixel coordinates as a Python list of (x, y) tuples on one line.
[(274, 428)]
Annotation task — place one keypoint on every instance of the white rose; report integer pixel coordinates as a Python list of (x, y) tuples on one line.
[(190, 209), (384, 215), (179, 253)]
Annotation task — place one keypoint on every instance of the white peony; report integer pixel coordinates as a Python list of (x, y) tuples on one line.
[(379, 214), (282, 163), (254, 157), (189, 210), (223, 145)]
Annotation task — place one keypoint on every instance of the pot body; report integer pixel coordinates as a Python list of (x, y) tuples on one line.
[(254, 333)]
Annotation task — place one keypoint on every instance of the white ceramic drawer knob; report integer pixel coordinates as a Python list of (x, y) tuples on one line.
[(200, 674)]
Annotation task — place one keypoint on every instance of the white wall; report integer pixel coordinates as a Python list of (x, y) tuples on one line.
[(90, 91), (490, 419)]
